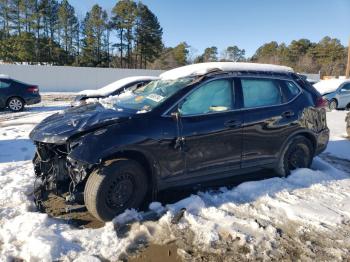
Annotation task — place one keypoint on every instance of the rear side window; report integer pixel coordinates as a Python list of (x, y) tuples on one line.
[(130, 87), (4, 84), (290, 90), (260, 92)]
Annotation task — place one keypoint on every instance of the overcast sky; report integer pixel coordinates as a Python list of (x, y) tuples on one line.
[(246, 23)]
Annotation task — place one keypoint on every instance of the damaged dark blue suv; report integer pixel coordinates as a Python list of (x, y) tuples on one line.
[(197, 123)]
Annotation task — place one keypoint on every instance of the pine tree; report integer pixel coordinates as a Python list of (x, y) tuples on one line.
[(124, 20), (15, 10), (5, 10), (94, 29), (148, 36), (233, 54), (68, 24), (180, 53), (48, 12), (331, 56), (172, 57), (210, 55)]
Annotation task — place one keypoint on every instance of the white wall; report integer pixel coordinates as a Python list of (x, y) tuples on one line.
[(316, 77), (70, 79)]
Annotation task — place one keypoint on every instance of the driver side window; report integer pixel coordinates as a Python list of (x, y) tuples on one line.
[(215, 96), (346, 88)]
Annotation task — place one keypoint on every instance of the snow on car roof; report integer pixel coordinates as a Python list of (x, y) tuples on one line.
[(106, 90), (4, 76), (203, 68), (329, 85)]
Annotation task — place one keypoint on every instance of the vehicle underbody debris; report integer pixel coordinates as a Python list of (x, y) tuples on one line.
[(56, 173)]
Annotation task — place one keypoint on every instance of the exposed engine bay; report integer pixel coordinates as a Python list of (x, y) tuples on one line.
[(56, 173)]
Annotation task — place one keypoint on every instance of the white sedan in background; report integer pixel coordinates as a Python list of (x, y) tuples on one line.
[(336, 91), (115, 88)]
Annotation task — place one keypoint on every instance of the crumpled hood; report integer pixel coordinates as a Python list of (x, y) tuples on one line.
[(61, 126)]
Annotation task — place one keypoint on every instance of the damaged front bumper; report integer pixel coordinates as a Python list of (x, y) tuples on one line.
[(57, 173)]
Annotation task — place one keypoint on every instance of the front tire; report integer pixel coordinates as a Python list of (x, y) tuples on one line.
[(297, 154), (112, 189), (333, 104), (15, 104)]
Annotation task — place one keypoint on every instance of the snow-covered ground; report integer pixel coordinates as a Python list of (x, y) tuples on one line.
[(305, 216)]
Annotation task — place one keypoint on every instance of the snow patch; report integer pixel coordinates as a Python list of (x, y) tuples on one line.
[(339, 144)]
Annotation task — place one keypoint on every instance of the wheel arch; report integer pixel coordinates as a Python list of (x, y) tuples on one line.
[(280, 165), (13, 96), (307, 134), (145, 160), (334, 99)]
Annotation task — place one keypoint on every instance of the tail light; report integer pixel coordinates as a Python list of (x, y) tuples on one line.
[(321, 102), (33, 89)]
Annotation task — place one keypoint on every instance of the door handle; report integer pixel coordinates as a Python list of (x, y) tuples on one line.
[(287, 114), (233, 123)]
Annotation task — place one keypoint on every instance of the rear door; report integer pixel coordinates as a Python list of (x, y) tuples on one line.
[(269, 117)]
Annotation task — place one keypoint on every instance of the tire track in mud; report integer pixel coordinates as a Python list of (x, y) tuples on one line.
[(293, 241)]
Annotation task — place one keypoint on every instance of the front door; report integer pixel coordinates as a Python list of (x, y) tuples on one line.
[(210, 128)]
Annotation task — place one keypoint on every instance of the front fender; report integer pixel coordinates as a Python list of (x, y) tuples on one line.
[(94, 147), (330, 96), (93, 151)]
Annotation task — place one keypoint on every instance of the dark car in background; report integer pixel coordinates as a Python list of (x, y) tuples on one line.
[(198, 123), (113, 89), (15, 94)]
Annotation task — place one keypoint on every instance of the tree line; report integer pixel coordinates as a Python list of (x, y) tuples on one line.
[(328, 56), (49, 32)]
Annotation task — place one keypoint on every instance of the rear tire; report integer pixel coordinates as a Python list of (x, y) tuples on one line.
[(112, 189), (333, 104), (15, 104), (297, 154)]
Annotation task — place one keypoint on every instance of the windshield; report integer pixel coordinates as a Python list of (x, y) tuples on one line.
[(146, 98)]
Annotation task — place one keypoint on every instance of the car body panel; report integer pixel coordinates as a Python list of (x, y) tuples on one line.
[(182, 150), (60, 127), (264, 134)]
